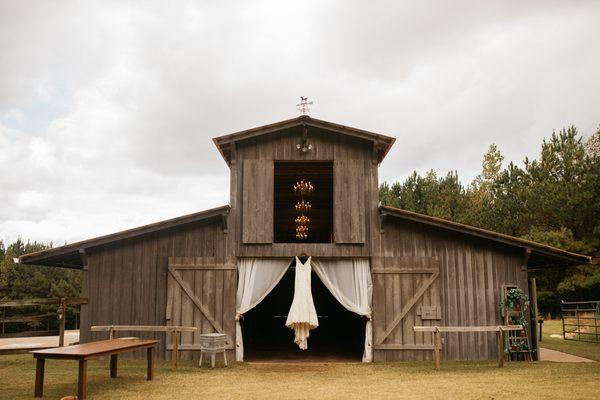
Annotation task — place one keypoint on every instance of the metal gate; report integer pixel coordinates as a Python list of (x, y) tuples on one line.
[(580, 320)]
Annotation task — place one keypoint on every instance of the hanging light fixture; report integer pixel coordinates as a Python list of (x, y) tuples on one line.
[(302, 220), (302, 232), (303, 187), (303, 206)]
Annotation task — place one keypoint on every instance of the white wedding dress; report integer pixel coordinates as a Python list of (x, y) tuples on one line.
[(302, 316)]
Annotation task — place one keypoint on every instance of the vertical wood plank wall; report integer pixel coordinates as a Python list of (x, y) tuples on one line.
[(211, 283), (472, 273), (257, 201), (127, 280), (326, 146), (349, 199)]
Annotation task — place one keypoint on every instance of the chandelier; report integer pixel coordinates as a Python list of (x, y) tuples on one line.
[(302, 188), (302, 232), (303, 206), (302, 220)]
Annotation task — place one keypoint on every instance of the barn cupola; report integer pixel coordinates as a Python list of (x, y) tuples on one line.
[(338, 165)]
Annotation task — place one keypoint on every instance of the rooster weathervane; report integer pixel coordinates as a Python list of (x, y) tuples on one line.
[(303, 106)]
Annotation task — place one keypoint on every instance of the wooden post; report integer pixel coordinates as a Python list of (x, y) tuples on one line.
[(175, 347), (534, 319), (82, 380), (111, 333), (500, 336), (62, 316), (113, 365), (150, 372), (437, 343), (39, 377)]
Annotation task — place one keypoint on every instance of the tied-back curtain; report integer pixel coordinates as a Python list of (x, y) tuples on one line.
[(349, 281), (256, 278)]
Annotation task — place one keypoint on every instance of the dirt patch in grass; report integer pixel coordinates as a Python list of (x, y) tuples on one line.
[(290, 368)]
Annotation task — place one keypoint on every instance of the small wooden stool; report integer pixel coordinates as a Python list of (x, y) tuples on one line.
[(211, 344)]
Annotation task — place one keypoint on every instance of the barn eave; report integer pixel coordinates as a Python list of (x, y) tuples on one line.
[(537, 255), (225, 143), (72, 255)]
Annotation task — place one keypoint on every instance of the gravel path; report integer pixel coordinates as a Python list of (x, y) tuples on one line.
[(22, 343)]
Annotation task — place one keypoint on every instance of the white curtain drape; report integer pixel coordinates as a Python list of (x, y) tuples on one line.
[(349, 281), (256, 278)]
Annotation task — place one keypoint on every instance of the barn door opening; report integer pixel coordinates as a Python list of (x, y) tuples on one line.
[(339, 337)]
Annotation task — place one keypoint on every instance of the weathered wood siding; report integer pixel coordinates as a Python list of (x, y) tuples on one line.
[(354, 159), (257, 201), (417, 268), (201, 292), (126, 282), (349, 201), (471, 275)]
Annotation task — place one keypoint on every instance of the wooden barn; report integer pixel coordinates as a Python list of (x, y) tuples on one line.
[(402, 269)]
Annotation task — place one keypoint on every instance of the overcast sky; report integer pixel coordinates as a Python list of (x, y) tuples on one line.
[(107, 109)]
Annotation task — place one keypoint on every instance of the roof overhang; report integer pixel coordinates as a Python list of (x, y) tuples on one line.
[(382, 143), (541, 255), (71, 255)]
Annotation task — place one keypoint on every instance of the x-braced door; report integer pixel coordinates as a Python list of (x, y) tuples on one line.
[(406, 294), (201, 293)]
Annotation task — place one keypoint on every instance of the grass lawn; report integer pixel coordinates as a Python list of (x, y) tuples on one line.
[(456, 380), (581, 349)]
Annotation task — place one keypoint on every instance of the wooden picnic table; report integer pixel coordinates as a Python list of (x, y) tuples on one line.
[(86, 351)]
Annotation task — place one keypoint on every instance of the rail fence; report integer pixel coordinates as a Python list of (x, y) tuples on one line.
[(25, 314)]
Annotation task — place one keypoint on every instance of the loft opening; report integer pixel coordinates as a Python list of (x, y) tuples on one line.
[(320, 227)]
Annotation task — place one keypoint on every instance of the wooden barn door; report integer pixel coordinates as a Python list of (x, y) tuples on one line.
[(200, 293), (406, 293), (257, 201), (348, 201)]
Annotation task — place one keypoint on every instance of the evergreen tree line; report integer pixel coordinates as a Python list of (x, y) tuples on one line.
[(554, 200), (19, 281)]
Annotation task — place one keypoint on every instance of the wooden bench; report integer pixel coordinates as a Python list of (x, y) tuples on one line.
[(499, 329), (86, 351), (175, 334)]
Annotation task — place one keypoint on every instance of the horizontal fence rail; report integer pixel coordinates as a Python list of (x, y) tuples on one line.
[(25, 317), (43, 301), (437, 341), (174, 330), (491, 328)]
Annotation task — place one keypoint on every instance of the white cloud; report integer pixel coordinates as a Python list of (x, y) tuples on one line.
[(107, 108)]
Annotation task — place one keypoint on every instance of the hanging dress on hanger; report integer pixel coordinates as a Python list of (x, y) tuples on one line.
[(302, 316)]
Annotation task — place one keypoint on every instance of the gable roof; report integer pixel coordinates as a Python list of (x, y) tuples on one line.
[(68, 255), (541, 254), (382, 143)]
